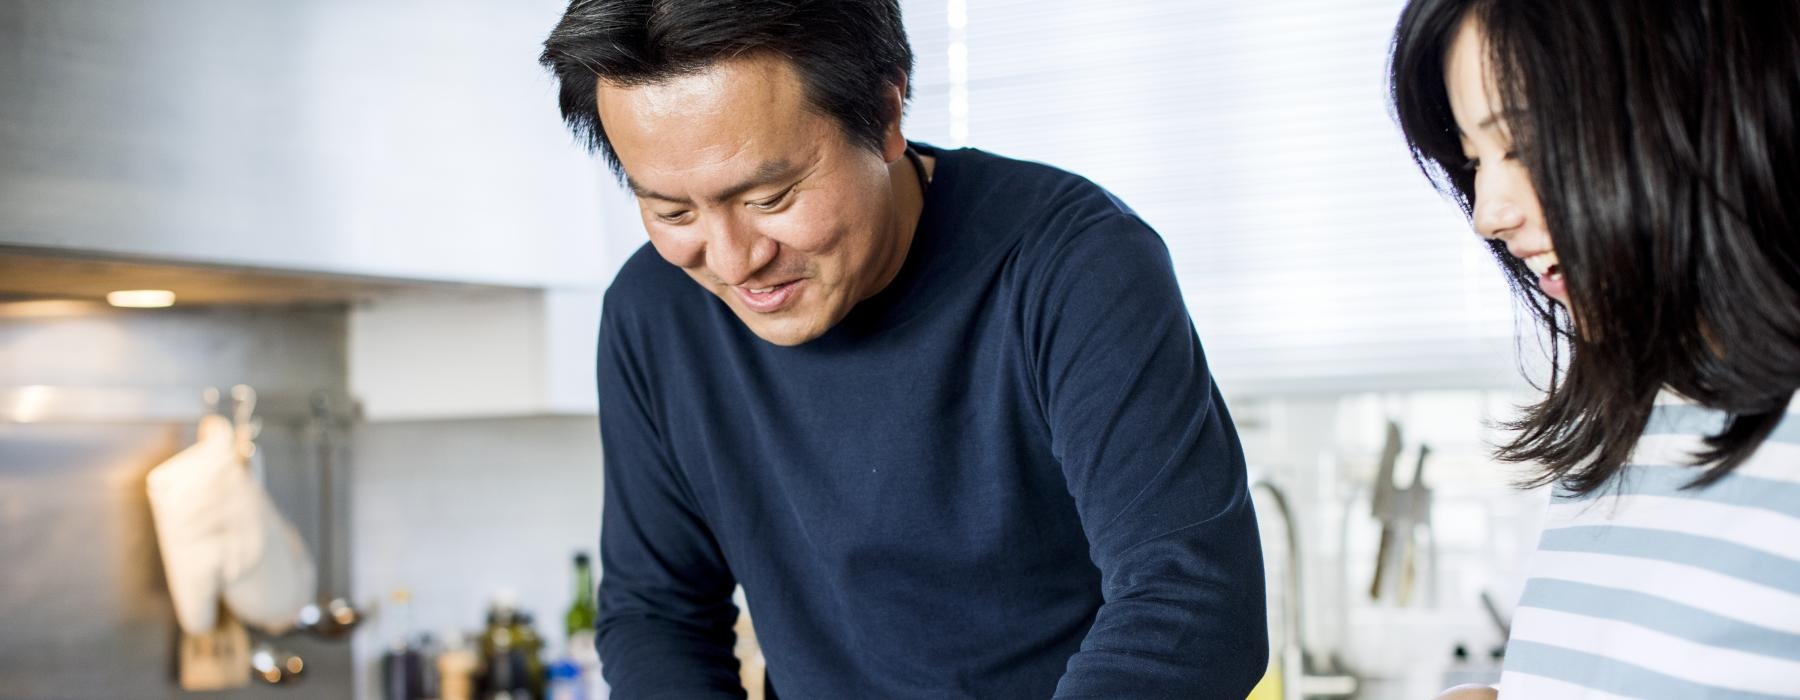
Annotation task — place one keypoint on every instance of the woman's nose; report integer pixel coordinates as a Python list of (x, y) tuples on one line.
[(1497, 211)]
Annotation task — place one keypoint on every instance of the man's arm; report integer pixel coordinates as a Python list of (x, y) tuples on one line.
[(1157, 473), (666, 616)]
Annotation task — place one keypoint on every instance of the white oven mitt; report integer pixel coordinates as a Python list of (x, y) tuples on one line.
[(220, 534), (187, 494)]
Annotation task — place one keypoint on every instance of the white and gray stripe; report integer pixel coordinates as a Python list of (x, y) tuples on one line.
[(1650, 589)]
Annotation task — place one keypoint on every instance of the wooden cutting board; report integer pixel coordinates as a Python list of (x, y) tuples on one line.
[(215, 660)]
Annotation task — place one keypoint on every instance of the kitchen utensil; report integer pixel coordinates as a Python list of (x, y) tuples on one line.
[(1494, 616), (1381, 503), (275, 666), (1402, 511), (1415, 515), (333, 616)]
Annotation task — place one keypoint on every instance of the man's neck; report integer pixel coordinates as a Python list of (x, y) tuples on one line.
[(907, 183)]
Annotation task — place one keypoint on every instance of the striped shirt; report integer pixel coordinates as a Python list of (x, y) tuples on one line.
[(1645, 590)]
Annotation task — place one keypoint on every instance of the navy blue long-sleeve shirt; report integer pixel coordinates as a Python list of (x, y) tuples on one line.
[(1006, 475)]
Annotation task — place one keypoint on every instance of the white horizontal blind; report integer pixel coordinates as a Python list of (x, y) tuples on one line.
[(1256, 138)]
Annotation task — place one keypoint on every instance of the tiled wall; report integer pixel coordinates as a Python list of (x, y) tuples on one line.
[(454, 511)]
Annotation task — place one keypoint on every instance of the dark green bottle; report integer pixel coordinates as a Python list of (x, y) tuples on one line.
[(579, 622)]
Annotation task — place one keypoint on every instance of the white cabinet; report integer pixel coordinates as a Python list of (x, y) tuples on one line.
[(436, 355), (413, 140)]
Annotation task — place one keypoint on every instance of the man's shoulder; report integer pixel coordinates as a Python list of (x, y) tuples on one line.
[(1059, 227), (1045, 202), (987, 174)]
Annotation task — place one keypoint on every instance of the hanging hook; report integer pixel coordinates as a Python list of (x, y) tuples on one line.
[(320, 403), (244, 424), (209, 425), (246, 399)]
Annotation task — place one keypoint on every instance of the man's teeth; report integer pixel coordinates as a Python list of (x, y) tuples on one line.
[(1542, 262)]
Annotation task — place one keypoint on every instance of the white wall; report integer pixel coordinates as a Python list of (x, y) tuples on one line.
[(454, 510)]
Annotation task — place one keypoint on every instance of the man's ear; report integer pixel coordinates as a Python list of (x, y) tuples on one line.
[(893, 144)]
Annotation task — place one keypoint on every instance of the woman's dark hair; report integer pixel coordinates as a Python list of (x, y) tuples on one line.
[(848, 53), (1661, 138)]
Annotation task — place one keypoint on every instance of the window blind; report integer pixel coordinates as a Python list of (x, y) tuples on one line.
[(1256, 138)]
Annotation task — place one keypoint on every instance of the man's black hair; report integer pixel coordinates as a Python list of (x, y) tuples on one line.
[(849, 53)]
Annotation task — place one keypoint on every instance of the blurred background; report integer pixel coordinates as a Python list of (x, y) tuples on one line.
[(370, 213)]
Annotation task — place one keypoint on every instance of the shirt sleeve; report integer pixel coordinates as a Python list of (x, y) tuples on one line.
[(666, 616), (1156, 470)]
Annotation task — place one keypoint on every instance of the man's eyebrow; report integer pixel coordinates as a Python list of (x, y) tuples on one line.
[(768, 173), (642, 193)]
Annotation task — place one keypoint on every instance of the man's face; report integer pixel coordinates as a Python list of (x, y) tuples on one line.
[(764, 202)]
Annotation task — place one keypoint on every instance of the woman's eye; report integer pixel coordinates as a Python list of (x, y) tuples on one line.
[(1473, 164)]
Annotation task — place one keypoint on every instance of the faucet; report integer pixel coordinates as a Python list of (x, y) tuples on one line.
[(1301, 677)]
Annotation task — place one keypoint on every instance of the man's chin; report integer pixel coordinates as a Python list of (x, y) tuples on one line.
[(786, 332)]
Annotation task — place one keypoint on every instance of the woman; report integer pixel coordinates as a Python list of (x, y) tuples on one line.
[(1635, 167)]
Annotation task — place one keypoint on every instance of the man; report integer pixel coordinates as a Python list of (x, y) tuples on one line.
[(940, 413)]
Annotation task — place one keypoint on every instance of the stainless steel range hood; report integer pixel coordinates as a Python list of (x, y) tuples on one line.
[(406, 140)]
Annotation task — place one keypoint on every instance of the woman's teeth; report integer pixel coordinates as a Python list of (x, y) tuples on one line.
[(1543, 263)]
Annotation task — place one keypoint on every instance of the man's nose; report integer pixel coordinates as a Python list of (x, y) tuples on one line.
[(735, 252)]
